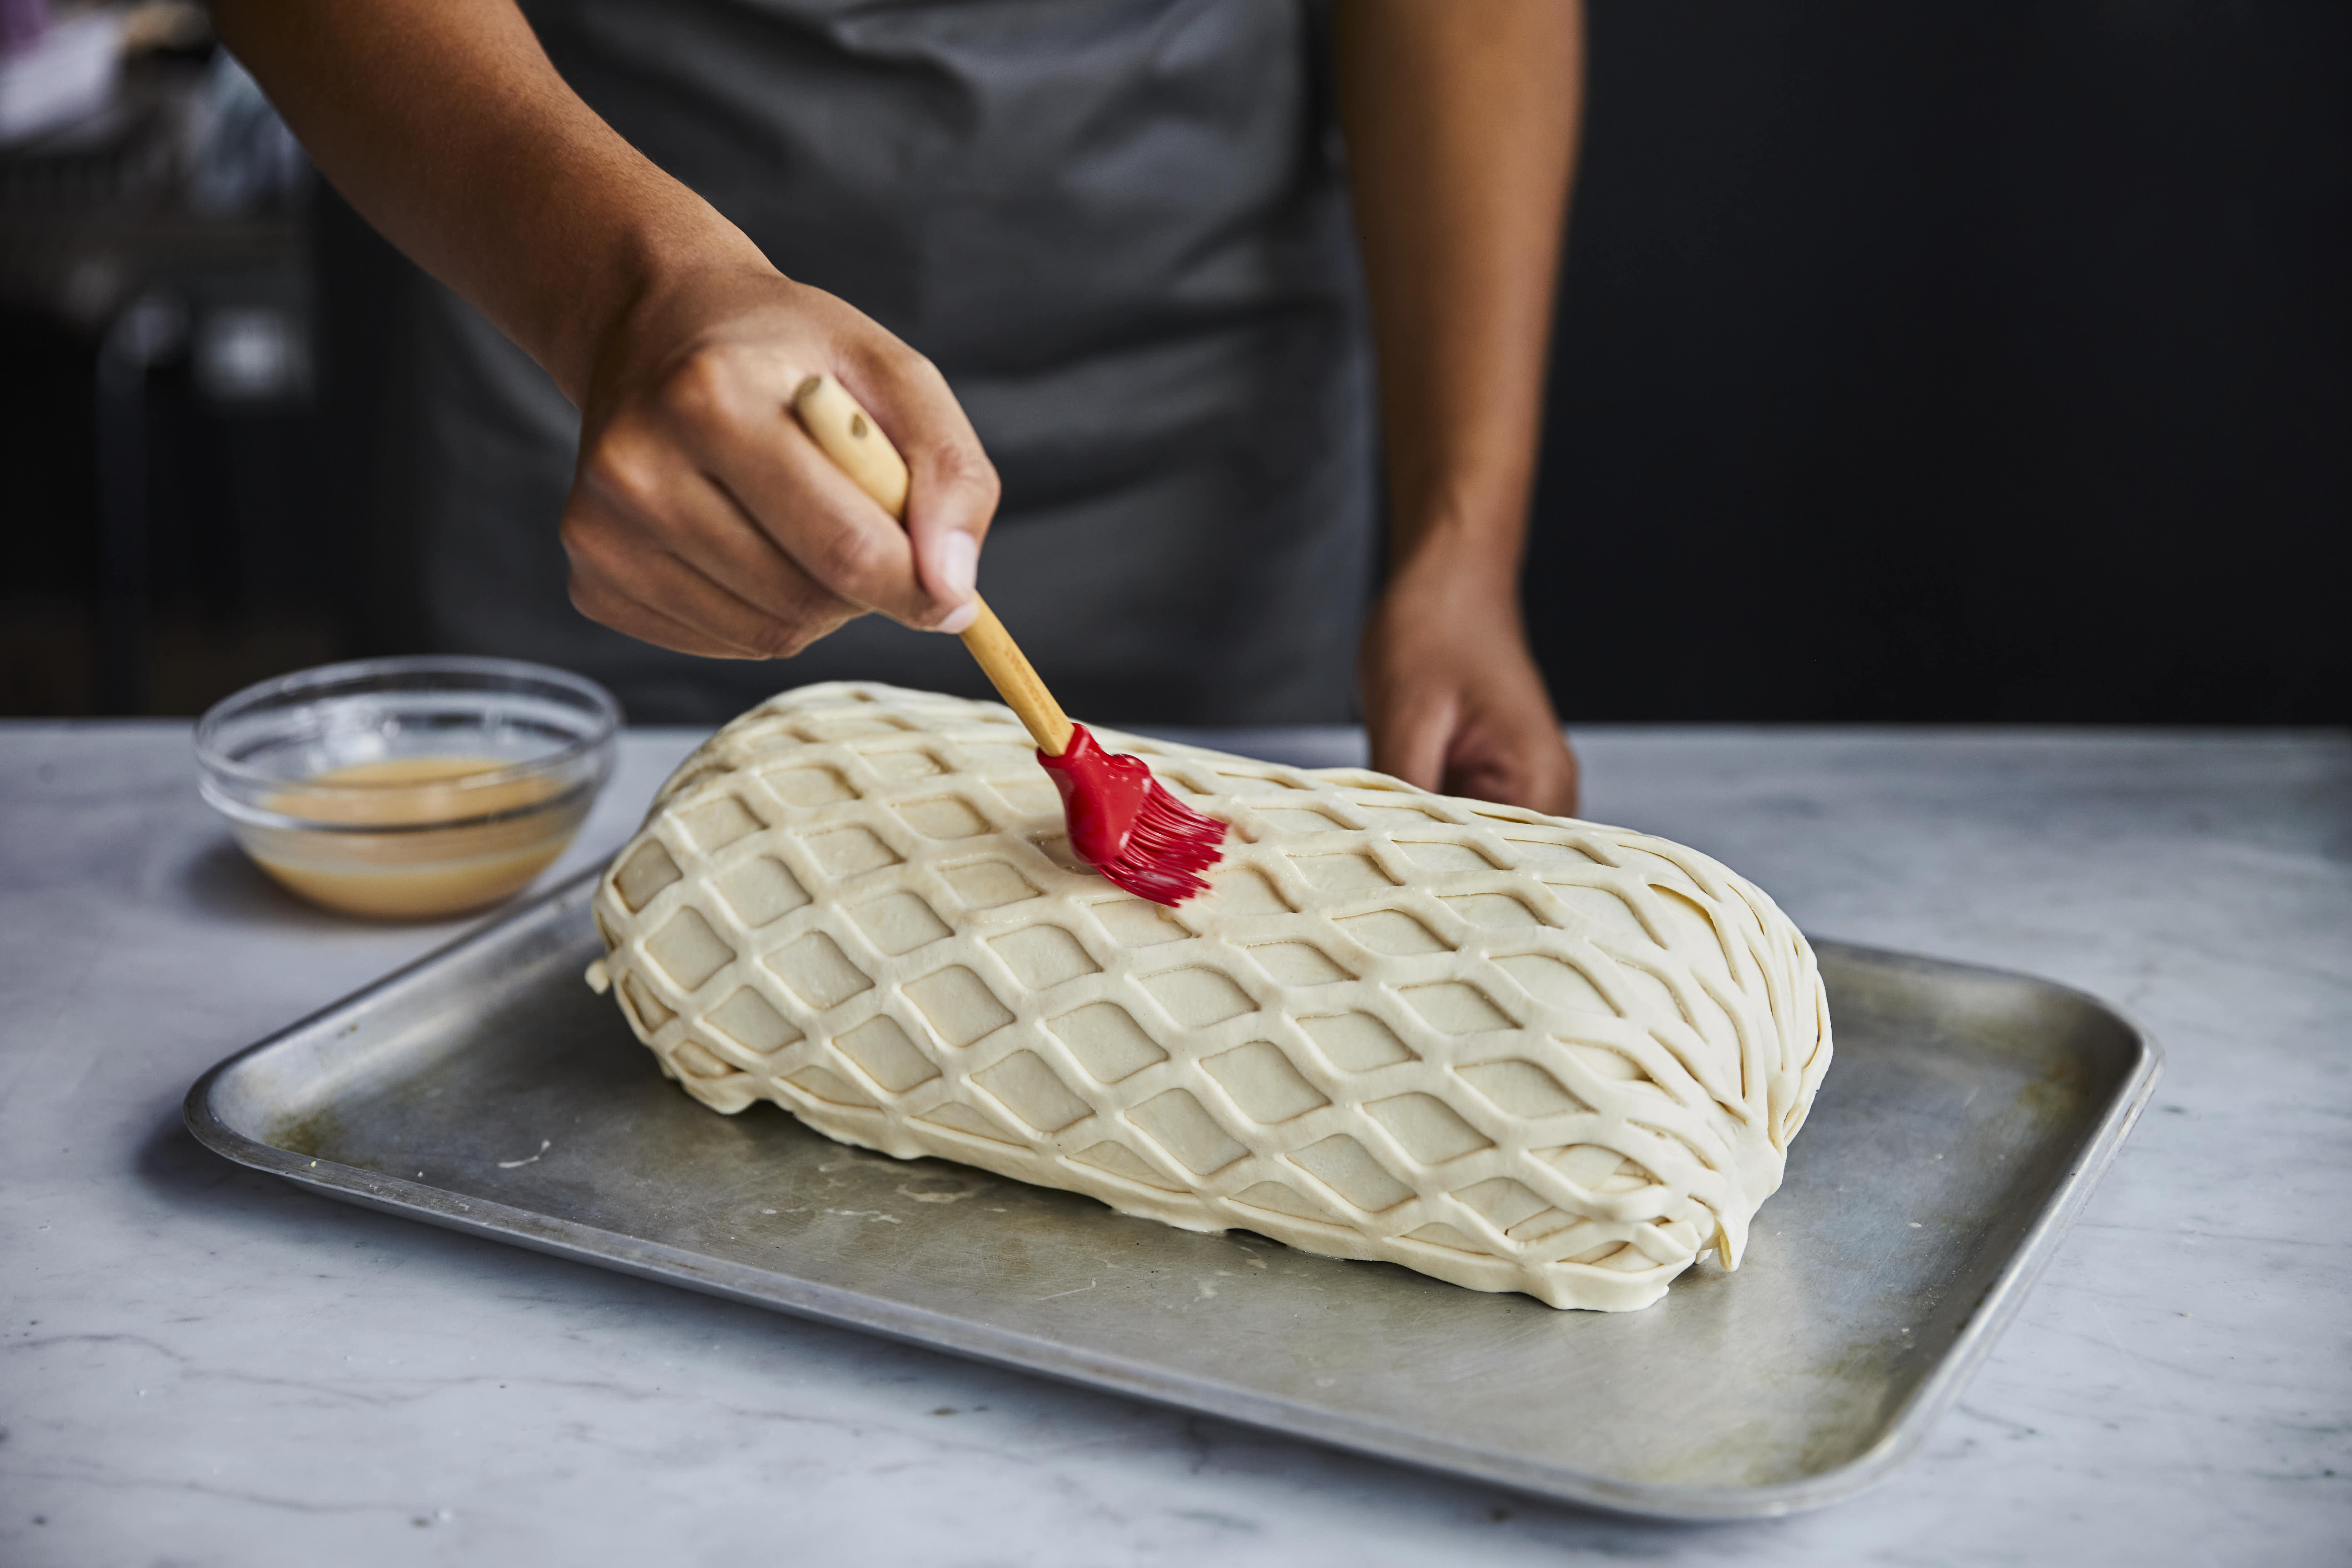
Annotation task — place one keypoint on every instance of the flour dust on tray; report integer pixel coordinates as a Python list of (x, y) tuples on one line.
[(1513, 1051)]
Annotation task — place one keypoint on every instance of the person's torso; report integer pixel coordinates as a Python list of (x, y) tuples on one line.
[(1119, 228), (1004, 182)]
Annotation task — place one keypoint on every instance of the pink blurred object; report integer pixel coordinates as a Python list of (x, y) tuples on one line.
[(54, 72), (21, 25)]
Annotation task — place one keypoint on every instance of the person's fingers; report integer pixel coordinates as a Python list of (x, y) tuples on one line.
[(1487, 732), (833, 531), (1513, 757), (731, 414), (953, 488), (637, 481), (601, 602), (1412, 734), (743, 436), (703, 502), (1567, 792), (618, 577), (1481, 769), (953, 577)]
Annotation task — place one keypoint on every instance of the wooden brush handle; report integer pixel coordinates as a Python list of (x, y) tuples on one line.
[(1000, 657), (848, 436)]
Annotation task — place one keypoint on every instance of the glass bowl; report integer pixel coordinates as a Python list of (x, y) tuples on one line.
[(408, 788)]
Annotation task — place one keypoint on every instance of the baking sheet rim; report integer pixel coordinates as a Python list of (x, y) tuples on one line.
[(1925, 1402)]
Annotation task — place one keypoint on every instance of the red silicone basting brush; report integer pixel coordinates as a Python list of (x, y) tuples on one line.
[(1122, 821)]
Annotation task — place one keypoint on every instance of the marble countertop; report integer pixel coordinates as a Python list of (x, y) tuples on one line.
[(201, 1365)]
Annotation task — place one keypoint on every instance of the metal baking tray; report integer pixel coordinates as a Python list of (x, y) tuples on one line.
[(1965, 1119)]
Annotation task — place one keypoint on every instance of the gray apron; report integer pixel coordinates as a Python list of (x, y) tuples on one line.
[(1118, 227)]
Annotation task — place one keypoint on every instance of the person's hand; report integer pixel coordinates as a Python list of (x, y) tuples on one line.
[(1453, 697), (702, 517)]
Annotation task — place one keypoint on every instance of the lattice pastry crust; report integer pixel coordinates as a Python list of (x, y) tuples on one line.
[(1513, 1051)]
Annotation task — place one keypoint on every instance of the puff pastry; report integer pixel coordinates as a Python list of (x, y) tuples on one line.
[(1513, 1051)]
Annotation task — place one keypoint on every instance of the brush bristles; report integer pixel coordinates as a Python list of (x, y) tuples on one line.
[(1165, 853)]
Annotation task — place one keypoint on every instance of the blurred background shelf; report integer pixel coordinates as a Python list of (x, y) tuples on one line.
[(158, 324)]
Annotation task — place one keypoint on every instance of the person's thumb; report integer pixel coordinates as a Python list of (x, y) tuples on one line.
[(1411, 732), (951, 568)]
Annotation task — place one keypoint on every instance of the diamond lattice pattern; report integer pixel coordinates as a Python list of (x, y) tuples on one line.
[(1512, 1051)]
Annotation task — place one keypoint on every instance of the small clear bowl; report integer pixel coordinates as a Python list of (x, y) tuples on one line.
[(408, 788)]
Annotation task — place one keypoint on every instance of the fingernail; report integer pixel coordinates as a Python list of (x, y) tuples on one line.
[(959, 560), (959, 564)]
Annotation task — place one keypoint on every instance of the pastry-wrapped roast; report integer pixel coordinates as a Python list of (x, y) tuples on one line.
[(1513, 1051)]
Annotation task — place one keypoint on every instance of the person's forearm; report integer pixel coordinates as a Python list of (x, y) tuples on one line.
[(445, 124), (1460, 120)]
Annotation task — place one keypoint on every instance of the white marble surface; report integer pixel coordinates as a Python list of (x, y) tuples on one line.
[(200, 1365)]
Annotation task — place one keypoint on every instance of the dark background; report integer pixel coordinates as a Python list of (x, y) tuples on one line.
[(1933, 361), (1956, 362)]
